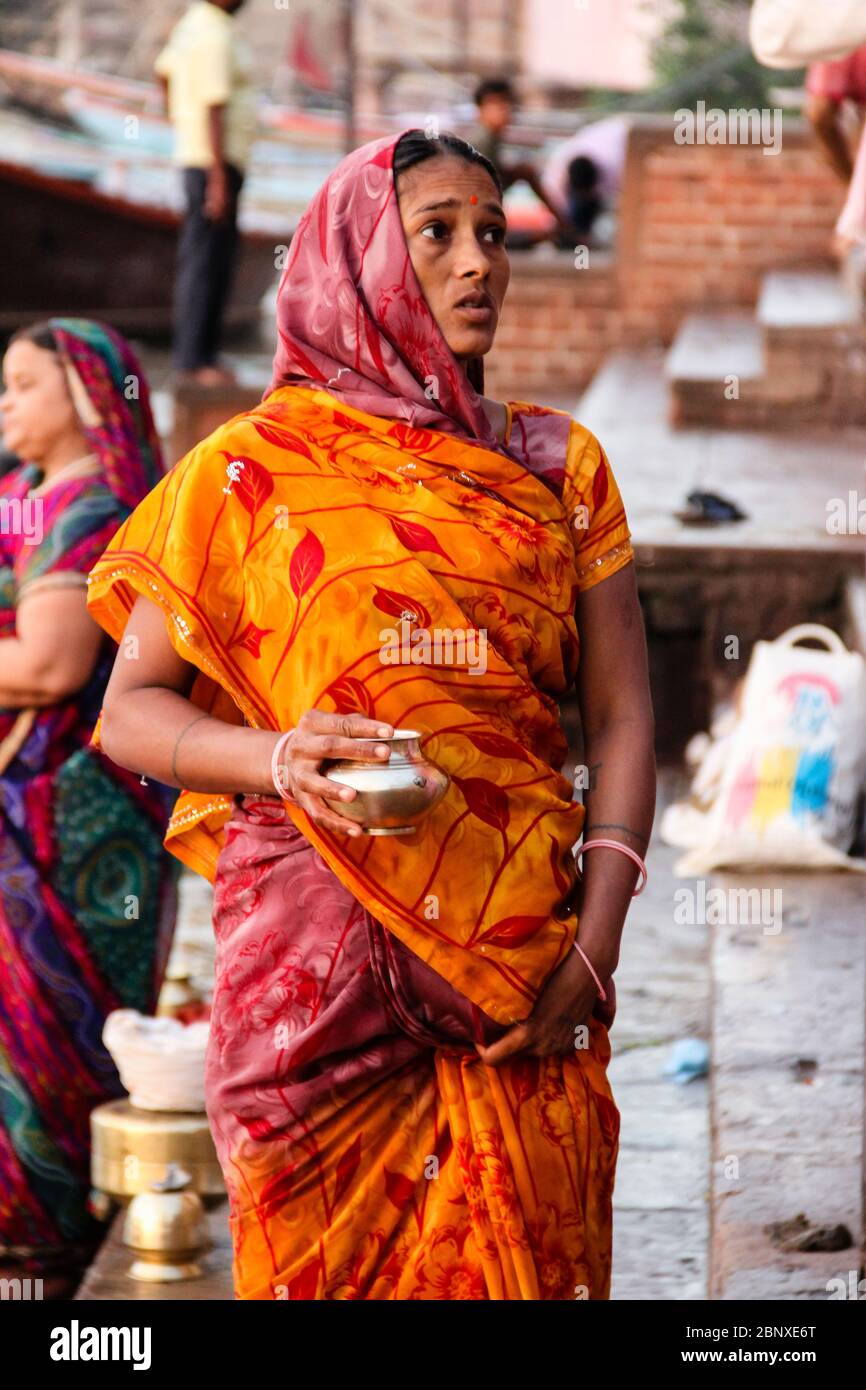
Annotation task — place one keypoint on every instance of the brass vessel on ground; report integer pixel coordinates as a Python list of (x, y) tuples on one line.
[(131, 1148), (165, 1228)]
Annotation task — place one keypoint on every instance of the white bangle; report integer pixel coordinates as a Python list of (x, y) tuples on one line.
[(276, 768)]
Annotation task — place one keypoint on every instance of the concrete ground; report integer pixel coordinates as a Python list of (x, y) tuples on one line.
[(662, 1190), (775, 1131)]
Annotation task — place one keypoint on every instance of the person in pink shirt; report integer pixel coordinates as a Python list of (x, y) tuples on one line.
[(829, 86)]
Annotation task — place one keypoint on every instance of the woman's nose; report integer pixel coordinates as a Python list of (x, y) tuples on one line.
[(470, 259)]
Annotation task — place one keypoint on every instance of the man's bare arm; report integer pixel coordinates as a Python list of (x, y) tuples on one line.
[(217, 195)]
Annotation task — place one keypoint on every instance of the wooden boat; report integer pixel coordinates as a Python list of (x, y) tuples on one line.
[(280, 174), (70, 249), (44, 86), (91, 220)]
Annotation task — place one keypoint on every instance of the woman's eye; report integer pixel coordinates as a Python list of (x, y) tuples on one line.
[(439, 230)]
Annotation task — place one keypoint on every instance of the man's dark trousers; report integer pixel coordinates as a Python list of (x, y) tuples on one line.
[(206, 256)]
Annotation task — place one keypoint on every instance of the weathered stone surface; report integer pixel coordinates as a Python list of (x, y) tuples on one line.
[(658, 1255), (798, 1277), (798, 358), (773, 1185), (661, 1206), (816, 301), (787, 1084)]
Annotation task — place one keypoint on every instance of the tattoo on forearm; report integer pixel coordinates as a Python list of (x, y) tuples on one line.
[(174, 772), (615, 825)]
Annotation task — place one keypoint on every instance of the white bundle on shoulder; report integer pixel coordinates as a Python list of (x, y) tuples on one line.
[(160, 1060), (792, 33)]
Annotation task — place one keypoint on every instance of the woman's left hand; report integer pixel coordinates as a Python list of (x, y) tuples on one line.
[(605, 1009), (564, 1004)]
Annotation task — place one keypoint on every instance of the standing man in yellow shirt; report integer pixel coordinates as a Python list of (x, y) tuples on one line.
[(205, 70)]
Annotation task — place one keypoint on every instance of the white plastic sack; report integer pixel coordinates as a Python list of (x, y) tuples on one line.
[(160, 1060), (787, 778), (793, 33)]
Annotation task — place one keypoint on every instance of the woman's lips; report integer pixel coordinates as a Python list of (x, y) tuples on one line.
[(476, 313)]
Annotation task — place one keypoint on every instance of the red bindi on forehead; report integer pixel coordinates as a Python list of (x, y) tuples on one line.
[(473, 198)]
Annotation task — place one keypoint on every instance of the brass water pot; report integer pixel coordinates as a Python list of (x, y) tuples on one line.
[(166, 1229), (130, 1149), (394, 795)]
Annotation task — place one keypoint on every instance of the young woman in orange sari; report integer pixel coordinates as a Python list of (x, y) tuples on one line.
[(407, 1065)]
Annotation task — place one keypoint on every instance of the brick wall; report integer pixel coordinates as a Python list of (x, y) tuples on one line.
[(557, 324), (699, 226)]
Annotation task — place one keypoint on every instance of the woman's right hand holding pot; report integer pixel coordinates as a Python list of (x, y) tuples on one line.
[(319, 737)]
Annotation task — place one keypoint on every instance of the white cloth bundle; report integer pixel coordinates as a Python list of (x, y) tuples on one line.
[(160, 1060), (793, 33)]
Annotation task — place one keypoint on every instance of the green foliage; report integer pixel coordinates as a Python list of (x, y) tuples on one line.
[(703, 54)]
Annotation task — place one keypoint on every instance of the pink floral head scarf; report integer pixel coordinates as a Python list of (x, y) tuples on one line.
[(352, 318)]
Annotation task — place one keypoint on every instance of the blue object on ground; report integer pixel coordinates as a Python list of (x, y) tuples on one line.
[(689, 1057)]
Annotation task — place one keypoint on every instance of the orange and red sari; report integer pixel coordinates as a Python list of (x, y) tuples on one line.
[(368, 1152)]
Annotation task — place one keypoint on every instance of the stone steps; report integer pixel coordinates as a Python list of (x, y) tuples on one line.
[(772, 476), (710, 347), (777, 1127), (799, 359), (780, 1119), (806, 301)]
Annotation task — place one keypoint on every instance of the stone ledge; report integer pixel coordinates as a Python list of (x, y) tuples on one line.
[(789, 1131), (107, 1277), (549, 263)]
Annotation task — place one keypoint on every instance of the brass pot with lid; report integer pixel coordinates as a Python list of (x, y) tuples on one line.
[(166, 1229)]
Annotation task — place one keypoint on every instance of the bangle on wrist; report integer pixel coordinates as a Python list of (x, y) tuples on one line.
[(592, 970), (623, 849), (277, 768)]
